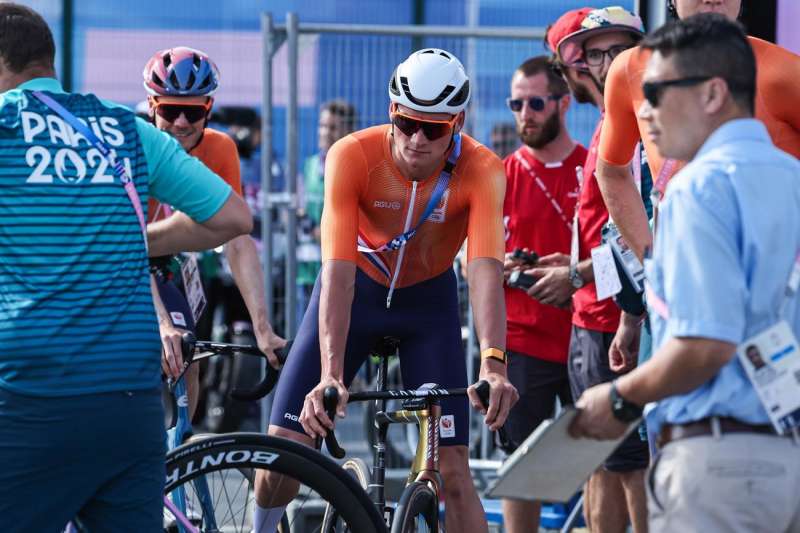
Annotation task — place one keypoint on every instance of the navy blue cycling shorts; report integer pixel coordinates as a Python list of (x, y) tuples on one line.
[(175, 303), (99, 457), (425, 319)]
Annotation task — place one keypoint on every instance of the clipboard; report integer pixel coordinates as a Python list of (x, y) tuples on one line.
[(550, 465)]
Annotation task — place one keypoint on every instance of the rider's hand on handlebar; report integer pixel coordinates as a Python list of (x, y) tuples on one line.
[(268, 341), (313, 418), (502, 396), (171, 353)]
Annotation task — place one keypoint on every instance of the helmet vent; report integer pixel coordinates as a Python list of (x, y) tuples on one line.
[(173, 79), (461, 96), (167, 60), (426, 103), (393, 84), (158, 81), (206, 83), (192, 79)]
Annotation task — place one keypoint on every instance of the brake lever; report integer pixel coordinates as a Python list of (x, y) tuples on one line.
[(330, 399), (264, 387)]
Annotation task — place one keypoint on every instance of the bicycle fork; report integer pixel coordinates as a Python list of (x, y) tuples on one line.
[(175, 437)]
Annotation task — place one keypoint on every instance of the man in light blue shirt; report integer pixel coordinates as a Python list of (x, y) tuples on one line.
[(726, 239)]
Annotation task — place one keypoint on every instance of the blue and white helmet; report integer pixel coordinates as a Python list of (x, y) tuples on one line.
[(431, 81)]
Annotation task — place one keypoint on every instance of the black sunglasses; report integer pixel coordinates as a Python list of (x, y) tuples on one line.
[(431, 130), (654, 89), (171, 112), (536, 103)]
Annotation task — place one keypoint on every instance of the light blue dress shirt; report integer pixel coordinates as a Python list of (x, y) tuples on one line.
[(728, 233)]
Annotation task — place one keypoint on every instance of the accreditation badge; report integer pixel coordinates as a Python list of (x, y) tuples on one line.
[(193, 286), (772, 362)]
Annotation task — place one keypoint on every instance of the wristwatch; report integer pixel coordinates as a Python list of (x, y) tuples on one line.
[(575, 277), (494, 353), (623, 410)]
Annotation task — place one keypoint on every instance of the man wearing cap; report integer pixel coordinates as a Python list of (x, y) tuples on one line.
[(585, 43), (776, 96)]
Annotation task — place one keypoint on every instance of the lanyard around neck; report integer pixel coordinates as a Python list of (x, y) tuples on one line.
[(558, 209), (441, 186)]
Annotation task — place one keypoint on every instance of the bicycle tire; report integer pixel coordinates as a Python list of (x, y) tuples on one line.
[(357, 468), (238, 454), (418, 499)]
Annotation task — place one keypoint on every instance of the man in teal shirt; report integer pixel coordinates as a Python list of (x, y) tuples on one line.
[(81, 422)]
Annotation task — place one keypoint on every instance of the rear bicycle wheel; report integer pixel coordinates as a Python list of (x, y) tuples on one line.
[(331, 521), (417, 510), (216, 475)]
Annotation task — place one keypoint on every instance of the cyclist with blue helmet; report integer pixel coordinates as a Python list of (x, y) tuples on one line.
[(180, 83)]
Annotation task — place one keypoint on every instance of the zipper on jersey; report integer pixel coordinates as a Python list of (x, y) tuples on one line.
[(402, 252)]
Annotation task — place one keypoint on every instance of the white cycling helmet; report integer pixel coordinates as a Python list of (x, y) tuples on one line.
[(432, 81)]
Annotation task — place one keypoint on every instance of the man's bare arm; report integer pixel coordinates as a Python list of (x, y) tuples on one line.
[(624, 202), (179, 233)]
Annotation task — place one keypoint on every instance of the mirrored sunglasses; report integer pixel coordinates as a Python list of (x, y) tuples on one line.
[(432, 129)]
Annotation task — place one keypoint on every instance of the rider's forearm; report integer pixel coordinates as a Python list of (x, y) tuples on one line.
[(248, 275), (625, 206), (158, 304), (485, 276), (335, 302), (179, 233)]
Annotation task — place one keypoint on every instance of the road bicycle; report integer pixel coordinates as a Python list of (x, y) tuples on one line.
[(418, 506)]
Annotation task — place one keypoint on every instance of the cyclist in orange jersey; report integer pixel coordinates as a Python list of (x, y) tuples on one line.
[(399, 201), (776, 97), (180, 83)]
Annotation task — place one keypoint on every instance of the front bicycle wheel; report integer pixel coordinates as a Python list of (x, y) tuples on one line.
[(331, 521), (417, 510), (217, 474)]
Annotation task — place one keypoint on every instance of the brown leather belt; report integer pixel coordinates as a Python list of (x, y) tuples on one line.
[(672, 432)]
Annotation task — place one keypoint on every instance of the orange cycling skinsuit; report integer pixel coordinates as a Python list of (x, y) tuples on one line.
[(369, 202), (777, 95), (218, 152)]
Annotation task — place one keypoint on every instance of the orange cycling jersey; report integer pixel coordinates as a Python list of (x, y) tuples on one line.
[(368, 200), (218, 152), (777, 95)]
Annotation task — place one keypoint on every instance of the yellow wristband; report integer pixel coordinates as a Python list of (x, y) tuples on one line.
[(494, 353)]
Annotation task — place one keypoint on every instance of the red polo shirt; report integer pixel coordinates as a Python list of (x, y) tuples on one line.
[(538, 208), (588, 313)]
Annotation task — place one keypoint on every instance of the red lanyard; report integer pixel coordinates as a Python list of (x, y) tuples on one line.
[(544, 189)]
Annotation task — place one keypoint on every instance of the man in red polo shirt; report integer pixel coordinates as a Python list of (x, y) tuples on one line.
[(586, 43), (541, 192)]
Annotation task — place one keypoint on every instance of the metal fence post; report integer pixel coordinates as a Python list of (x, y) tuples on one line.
[(292, 140), (268, 50)]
